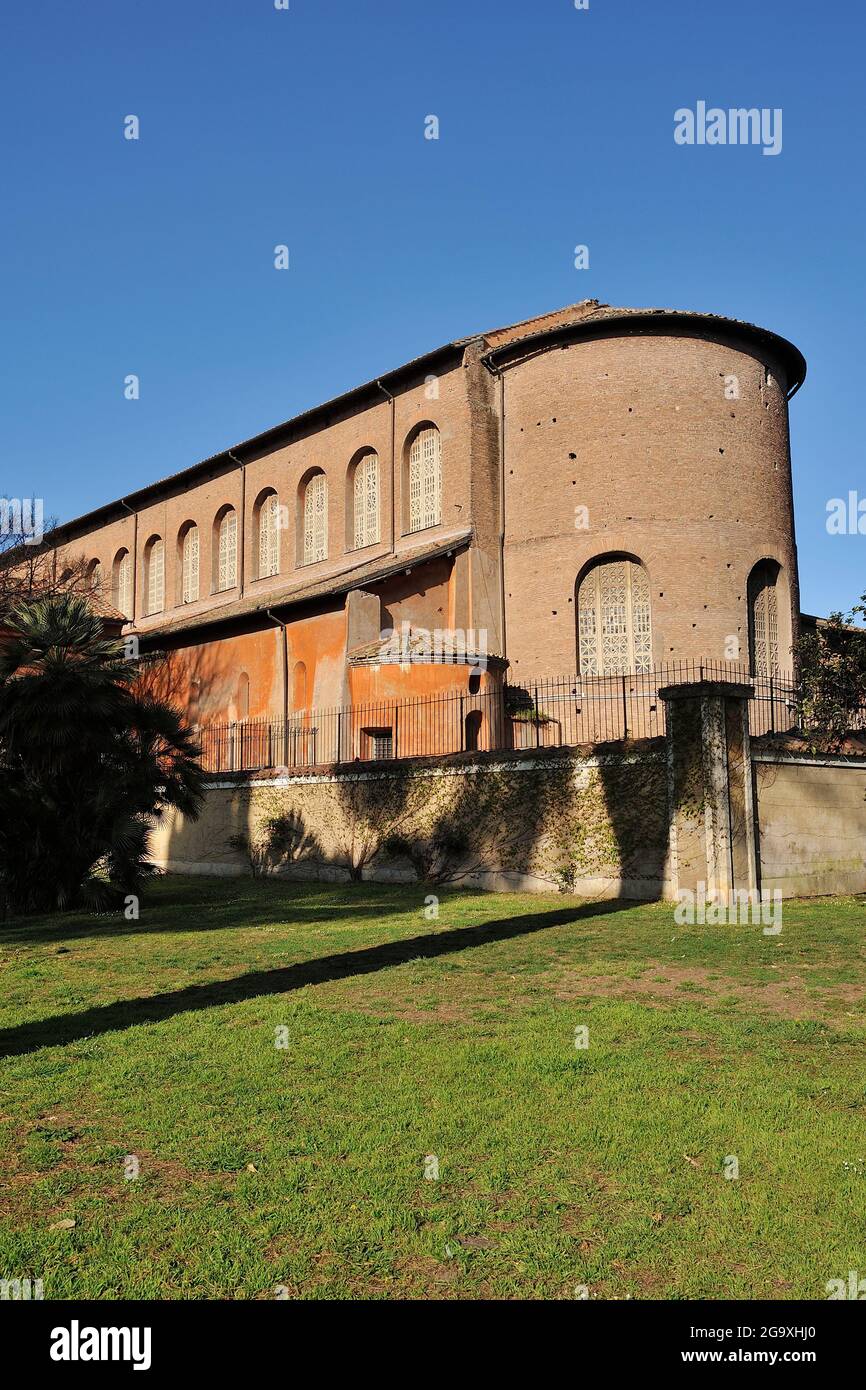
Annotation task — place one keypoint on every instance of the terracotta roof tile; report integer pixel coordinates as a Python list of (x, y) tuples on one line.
[(420, 646), (570, 313)]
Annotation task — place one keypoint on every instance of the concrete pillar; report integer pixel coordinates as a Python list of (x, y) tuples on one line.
[(710, 795)]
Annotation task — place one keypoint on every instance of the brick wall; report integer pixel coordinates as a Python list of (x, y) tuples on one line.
[(635, 426), (695, 486), (332, 447)]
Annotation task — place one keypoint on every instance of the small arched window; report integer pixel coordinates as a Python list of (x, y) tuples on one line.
[(189, 564), (425, 479), (315, 519), (268, 517), (614, 630), (121, 583), (764, 619), (365, 501), (94, 577), (154, 572), (299, 686), (194, 701), (226, 566), (242, 697), (473, 730)]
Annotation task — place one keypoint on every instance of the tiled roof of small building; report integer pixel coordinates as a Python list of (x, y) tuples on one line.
[(420, 646), (100, 604), (208, 613)]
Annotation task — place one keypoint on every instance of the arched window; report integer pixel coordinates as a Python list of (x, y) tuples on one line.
[(94, 577), (473, 730), (764, 619), (121, 583), (365, 502), (154, 574), (267, 515), (425, 479), (299, 686), (194, 701), (189, 564), (614, 630), (226, 558), (315, 519), (242, 697)]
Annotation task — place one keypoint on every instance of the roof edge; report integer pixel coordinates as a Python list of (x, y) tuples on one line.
[(638, 322), (272, 437), (592, 325), (277, 601)]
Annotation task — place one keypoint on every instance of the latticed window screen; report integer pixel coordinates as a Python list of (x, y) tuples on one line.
[(316, 520), (155, 577), (425, 480), (366, 501), (765, 623), (122, 595), (227, 566), (189, 582), (613, 619), (380, 743), (269, 537)]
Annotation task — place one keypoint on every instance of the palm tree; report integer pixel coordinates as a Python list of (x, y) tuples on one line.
[(88, 763)]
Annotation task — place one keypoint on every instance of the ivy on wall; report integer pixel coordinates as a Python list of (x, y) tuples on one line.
[(559, 819)]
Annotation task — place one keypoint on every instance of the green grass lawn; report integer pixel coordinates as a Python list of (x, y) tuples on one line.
[(302, 1167)]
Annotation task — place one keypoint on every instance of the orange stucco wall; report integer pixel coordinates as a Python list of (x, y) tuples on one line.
[(422, 598), (392, 696), (205, 679), (391, 681), (319, 642)]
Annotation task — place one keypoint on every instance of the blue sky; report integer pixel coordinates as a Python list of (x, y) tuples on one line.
[(305, 127)]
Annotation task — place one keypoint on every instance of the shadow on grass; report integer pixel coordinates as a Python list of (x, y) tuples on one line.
[(106, 1018), (236, 904)]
